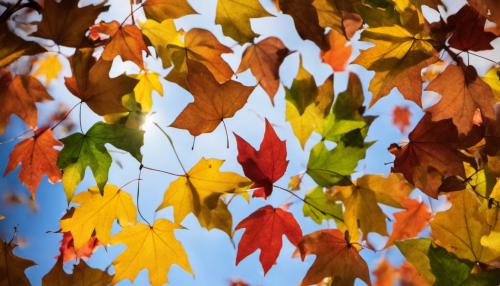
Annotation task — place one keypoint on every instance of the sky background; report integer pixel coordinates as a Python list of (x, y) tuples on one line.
[(211, 253)]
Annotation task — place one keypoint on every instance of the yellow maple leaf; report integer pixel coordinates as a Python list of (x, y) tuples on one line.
[(153, 247), (97, 213), (49, 67), (492, 239), (492, 78), (200, 193), (234, 17), (143, 91), (161, 35)]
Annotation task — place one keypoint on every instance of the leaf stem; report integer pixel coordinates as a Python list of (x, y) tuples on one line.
[(227, 136), (138, 194), (173, 147), (162, 171), (308, 203), (65, 115), (131, 14)]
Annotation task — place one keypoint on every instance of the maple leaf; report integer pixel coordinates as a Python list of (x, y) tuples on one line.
[(160, 10), (409, 222), (49, 67), (265, 166), (314, 116), (410, 276), (401, 117), (335, 258), (14, 47), (385, 273), (87, 150), (397, 59), (200, 192), (469, 31), (416, 252), (68, 30), (264, 60), (340, 16), (234, 17), (391, 190), (12, 267), (18, 96), (430, 155), (82, 275), (143, 91), (153, 247), (264, 230), (91, 83), (460, 228), (461, 99), (323, 201), (334, 167), (126, 41), (303, 91), (213, 102), (203, 47), (37, 157), (487, 8), (492, 78), (337, 56), (97, 213), (306, 21), (361, 210), (161, 35), (69, 252)]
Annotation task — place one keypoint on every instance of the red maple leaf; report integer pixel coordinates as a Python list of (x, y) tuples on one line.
[(469, 31), (401, 117), (266, 166), (264, 229)]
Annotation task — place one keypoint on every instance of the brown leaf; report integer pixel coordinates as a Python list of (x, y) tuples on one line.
[(12, 267), (487, 8), (335, 257), (18, 96), (430, 155), (82, 275), (14, 47), (409, 222), (65, 23), (213, 102), (203, 47), (126, 42), (38, 158), (91, 83), (462, 93), (160, 10), (469, 31), (264, 60)]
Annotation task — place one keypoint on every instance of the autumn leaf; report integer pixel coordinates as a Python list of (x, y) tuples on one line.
[(68, 252), (160, 10), (161, 35), (97, 213), (213, 102), (340, 16), (68, 30), (461, 99), (416, 252), (469, 33), (265, 166), (385, 273), (126, 41), (234, 17), (14, 47), (18, 96), (401, 117), (409, 222), (202, 47), (397, 60), (200, 192), (321, 201), (87, 150), (152, 247), (37, 157), (335, 257), (143, 91), (391, 190), (460, 228), (264, 230), (48, 67), (430, 155), (410, 276), (82, 275), (91, 83), (264, 60), (12, 267), (492, 78), (337, 56), (315, 114), (306, 21), (303, 91)]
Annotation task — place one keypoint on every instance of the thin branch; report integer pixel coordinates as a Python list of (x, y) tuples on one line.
[(162, 171), (173, 147), (308, 203), (138, 194)]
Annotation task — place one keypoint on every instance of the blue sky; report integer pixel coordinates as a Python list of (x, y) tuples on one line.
[(211, 253)]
